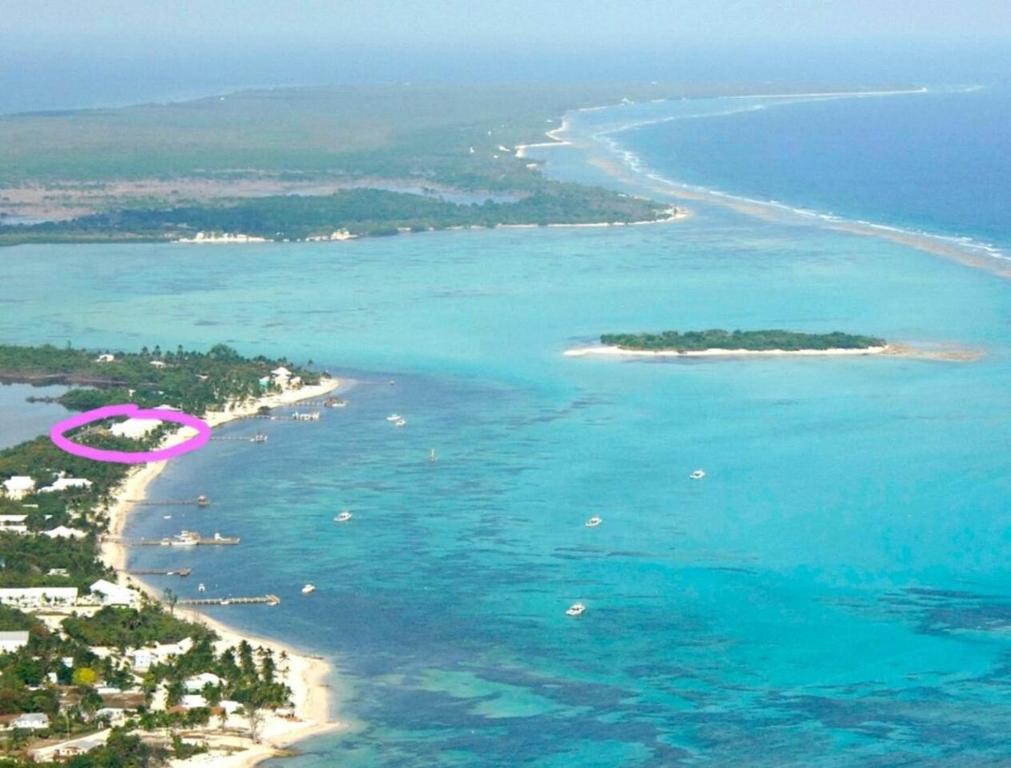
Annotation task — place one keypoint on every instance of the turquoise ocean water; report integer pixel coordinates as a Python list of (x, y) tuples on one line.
[(834, 593)]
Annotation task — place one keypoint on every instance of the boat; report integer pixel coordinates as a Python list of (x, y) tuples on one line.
[(201, 587), (335, 402), (432, 456), (259, 437), (593, 522), (308, 589), (343, 517), (306, 416), (400, 422), (576, 609), (698, 474), (394, 417), (166, 517), (202, 501), (183, 539)]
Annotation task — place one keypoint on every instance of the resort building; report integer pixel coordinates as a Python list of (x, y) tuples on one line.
[(135, 429), (13, 524), (32, 721), (38, 597), (18, 486), (281, 377), (63, 483), (12, 641), (144, 658), (63, 532), (114, 594)]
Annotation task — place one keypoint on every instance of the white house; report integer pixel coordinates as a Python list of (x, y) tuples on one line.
[(18, 486), (157, 363), (12, 641), (64, 750), (193, 701), (13, 524), (63, 483), (138, 428), (281, 376), (197, 683), (144, 658), (63, 532), (38, 597), (114, 594), (106, 358), (114, 715), (32, 721), (230, 707)]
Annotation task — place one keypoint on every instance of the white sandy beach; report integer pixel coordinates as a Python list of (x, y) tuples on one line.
[(954, 354), (307, 676)]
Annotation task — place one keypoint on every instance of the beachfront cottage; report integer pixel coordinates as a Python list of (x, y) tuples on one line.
[(59, 751), (18, 486), (63, 532), (114, 594), (135, 429), (12, 641), (197, 683), (281, 377), (144, 658), (64, 483), (13, 524), (157, 363), (38, 597), (32, 721)]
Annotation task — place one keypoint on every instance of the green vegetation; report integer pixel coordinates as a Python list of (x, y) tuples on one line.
[(694, 341), (360, 211), (120, 627), (193, 381)]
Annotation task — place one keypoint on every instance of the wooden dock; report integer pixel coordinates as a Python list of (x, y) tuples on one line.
[(197, 541), (255, 600), (184, 572)]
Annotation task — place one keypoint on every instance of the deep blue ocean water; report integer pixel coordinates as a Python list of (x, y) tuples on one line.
[(834, 593)]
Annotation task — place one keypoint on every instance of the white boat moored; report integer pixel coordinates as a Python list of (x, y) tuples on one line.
[(394, 417), (698, 474), (400, 422), (343, 517), (593, 522), (576, 609), (308, 588)]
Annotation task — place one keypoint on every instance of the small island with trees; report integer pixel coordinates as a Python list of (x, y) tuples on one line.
[(719, 342)]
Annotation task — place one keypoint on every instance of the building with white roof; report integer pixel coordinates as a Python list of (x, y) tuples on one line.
[(64, 483), (138, 428), (145, 658), (13, 524), (63, 532), (197, 683), (193, 701), (106, 358), (12, 641), (114, 594), (61, 751), (38, 597), (32, 721), (18, 486)]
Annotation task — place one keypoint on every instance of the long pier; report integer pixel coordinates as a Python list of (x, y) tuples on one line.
[(196, 541), (199, 501), (255, 600), (184, 572)]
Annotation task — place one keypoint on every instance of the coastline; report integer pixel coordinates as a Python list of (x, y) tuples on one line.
[(952, 354), (307, 675)]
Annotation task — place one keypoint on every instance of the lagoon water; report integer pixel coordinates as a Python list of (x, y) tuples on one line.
[(834, 593)]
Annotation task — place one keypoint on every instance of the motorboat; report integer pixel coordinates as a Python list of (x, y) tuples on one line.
[(400, 422), (698, 474), (576, 609), (308, 589), (593, 522), (394, 417), (343, 517)]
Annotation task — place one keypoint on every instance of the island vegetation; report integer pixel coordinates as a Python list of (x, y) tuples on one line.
[(760, 340)]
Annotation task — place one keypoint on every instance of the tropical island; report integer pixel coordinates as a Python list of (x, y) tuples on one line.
[(302, 164), (95, 665), (717, 341)]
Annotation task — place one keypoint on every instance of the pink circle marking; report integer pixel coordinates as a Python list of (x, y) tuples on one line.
[(133, 411)]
